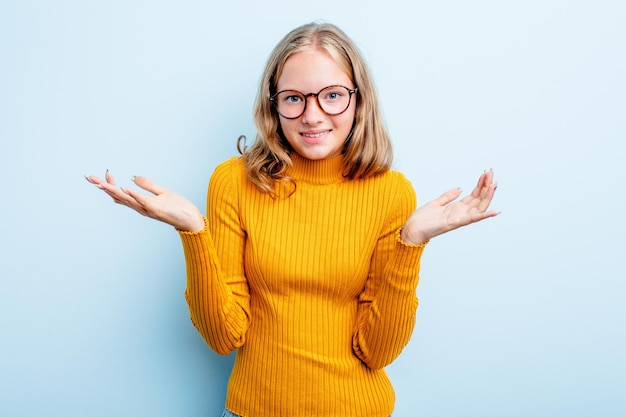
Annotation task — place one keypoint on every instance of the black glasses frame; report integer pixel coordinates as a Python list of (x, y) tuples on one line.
[(272, 98)]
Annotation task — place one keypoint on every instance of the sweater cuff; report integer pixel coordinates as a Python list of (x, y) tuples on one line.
[(186, 232), (409, 245)]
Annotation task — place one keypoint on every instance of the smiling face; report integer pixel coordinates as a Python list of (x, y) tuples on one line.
[(315, 135)]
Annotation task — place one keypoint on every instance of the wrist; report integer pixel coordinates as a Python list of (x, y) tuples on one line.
[(413, 238), (193, 226)]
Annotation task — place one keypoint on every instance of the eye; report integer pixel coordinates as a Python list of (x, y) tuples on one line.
[(333, 95), (293, 99)]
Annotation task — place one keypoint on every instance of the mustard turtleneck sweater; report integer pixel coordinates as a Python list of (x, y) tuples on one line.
[(316, 290)]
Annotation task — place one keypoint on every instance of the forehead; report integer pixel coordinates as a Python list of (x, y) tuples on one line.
[(310, 71)]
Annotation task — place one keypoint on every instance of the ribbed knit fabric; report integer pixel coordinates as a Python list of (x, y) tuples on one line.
[(315, 290)]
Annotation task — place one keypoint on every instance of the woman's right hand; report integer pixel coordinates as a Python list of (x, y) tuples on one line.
[(161, 204)]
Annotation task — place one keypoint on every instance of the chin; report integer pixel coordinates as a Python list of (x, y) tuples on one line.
[(318, 155)]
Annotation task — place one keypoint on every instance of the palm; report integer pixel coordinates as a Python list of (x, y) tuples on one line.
[(161, 204), (444, 214)]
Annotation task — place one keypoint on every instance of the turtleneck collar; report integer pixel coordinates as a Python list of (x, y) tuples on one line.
[(325, 171)]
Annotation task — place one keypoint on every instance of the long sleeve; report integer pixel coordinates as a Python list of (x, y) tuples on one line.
[(217, 290), (387, 305)]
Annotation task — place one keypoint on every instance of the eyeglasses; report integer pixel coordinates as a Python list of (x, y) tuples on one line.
[(333, 100)]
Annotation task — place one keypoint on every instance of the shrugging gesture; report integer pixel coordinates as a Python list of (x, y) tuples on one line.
[(444, 214), (162, 204)]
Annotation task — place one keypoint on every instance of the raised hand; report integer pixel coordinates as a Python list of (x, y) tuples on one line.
[(161, 204), (443, 214)]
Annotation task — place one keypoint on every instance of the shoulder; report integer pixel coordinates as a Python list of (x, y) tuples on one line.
[(229, 171), (397, 190), (226, 179), (233, 165), (395, 182)]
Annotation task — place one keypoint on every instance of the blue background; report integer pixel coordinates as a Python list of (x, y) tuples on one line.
[(522, 315)]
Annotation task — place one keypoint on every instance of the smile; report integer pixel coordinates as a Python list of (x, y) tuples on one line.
[(315, 135)]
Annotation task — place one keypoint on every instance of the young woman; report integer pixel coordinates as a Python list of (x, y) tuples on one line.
[(307, 260)]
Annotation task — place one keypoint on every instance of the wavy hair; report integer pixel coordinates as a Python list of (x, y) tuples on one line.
[(367, 150)]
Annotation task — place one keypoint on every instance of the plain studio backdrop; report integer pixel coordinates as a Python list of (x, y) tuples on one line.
[(520, 316)]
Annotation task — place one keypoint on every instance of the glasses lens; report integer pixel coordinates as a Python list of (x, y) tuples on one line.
[(334, 99), (290, 103)]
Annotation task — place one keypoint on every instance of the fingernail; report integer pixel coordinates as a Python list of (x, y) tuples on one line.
[(133, 178)]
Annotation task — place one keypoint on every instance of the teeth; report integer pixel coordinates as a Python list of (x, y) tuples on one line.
[(313, 135)]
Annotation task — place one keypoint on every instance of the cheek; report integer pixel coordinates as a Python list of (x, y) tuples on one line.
[(286, 126), (347, 120), (287, 132)]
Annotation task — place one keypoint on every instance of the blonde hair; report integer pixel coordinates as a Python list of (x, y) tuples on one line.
[(367, 150)]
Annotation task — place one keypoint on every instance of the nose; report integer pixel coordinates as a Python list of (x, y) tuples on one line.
[(313, 114)]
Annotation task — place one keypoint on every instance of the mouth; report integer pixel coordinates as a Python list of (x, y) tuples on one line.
[(313, 137)]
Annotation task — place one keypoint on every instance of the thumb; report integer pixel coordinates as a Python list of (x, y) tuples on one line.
[(148, 185), (449, 196)]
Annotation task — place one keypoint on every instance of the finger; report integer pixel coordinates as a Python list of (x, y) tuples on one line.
[(489, 176), (485, 200), (109, 178), (139, 201), (117, 194), (92, 179), (484, 215), (483, 185), (480, 184), (448, 196), (480, 199), (148, 185)]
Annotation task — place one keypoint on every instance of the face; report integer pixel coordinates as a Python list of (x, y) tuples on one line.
[(315, 135)]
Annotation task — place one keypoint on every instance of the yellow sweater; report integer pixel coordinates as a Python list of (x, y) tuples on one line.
[(316, 291)]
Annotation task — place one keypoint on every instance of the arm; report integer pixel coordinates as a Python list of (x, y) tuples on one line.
[(386, 311), (217, 290), (387, 305)]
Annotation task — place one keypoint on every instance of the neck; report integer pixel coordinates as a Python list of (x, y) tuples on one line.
[(323, 171)]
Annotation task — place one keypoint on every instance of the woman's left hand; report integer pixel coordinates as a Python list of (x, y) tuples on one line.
[(443, 214)]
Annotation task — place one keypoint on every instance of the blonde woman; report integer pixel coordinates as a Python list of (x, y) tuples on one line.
[(307, 260)]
